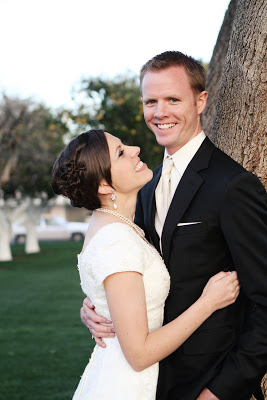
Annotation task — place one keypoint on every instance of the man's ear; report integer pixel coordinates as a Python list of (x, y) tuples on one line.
[(104, 187), (202, 101)]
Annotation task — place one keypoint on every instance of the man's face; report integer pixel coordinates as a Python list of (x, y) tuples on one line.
[(171, 108)]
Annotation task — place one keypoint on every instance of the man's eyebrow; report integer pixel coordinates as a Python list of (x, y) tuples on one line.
[(148, 98)]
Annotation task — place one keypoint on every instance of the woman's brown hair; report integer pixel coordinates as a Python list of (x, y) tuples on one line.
[(80, 168)]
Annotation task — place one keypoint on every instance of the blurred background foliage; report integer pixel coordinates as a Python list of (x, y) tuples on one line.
[(31, 136), (116, 107)]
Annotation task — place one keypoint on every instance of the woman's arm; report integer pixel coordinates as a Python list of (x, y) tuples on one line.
[(126, 300)]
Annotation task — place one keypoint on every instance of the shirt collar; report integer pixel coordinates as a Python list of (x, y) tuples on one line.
[(184, 155)]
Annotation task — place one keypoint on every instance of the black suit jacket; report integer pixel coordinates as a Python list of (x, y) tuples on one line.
[(228, 353)]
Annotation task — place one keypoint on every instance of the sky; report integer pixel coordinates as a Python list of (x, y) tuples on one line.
[(48, 46)]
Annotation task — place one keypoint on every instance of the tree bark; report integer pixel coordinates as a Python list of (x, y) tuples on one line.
[(239, 126), (215, 70)]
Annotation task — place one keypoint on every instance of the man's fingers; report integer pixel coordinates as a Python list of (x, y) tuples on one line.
[(99, 326), (83, 317), (91, 315), (100, 342), (98, 319), (101, 330), (87, 303)]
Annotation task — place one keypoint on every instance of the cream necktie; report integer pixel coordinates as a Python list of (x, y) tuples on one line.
[(165, 194)]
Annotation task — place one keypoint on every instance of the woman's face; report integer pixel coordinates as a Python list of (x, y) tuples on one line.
[(128, 172)]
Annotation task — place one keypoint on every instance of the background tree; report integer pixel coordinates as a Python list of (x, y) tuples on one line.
[(216, 65), (115, 106), (12, 112), (237, 85), (32, 137), (240, 122)]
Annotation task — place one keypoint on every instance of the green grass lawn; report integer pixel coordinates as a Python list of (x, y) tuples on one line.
[(44, 348)]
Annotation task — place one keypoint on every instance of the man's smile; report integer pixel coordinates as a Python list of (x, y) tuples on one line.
[(165, 126)]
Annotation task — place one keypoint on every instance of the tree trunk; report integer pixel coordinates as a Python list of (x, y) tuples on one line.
[(8, 215), (214, 73), (32, 244), (32, 215), (5, 249), (11, 163), (239, 126)]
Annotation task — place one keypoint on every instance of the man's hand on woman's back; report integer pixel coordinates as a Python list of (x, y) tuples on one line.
[(99, 327)]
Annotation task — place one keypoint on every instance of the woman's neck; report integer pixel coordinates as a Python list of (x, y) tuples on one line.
[(125, 206)]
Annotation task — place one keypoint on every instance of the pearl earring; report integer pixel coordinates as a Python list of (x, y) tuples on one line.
[(113, 198)]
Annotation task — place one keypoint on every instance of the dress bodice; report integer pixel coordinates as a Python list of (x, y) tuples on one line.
[(117, 248)]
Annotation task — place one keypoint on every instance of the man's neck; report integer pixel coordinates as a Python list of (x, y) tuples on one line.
[(172, 152)]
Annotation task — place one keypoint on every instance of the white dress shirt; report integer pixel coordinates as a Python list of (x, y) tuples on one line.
[(181, 159)]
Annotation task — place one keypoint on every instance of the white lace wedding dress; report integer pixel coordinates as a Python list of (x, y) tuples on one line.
[(116, 248)]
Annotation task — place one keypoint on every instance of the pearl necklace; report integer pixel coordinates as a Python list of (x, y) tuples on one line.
[(135, 227)]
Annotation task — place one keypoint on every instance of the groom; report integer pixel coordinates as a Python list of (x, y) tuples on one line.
[(214, 217)]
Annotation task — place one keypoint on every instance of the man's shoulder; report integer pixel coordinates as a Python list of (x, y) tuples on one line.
[(225, 171), (220, 156), (224, 163)]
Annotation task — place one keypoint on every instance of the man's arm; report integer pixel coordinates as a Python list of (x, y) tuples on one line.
[(94, 323), (244, 225)]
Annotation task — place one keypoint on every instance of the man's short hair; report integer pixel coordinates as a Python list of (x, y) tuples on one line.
[(193, 68)]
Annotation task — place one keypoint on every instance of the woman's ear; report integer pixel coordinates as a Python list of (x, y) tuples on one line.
[(104, 187)]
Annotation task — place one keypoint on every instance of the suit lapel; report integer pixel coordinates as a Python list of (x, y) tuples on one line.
[(150, 207), (185, 192)]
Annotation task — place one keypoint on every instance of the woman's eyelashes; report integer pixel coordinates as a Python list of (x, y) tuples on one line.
[(121, 152)]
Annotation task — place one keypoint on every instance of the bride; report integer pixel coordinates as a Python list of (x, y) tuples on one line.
[(122, 273)]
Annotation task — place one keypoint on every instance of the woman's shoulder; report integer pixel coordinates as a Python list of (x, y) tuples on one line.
[(114, 248), (113, 234), (114, 231)]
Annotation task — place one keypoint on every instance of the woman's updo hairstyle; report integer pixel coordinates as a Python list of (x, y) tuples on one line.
[(80, 168)]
